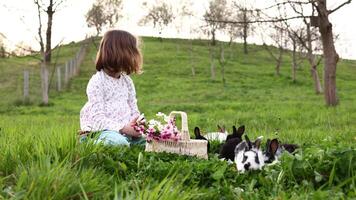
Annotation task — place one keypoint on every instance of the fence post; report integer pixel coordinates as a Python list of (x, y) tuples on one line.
[(66, 73), (59, 79), (44, 83), (74, 65), (71, 68), (26, 85)]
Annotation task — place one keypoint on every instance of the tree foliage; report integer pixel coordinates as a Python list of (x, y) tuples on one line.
[(216, 12), (2, 46), (160, 15), (104, 13)]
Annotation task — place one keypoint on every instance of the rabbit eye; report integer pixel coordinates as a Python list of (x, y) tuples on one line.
[(244, 158), (257, 160)]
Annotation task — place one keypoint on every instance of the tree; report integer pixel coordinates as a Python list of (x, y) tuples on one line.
[(331, 57), (186, 12), (293, 40), (321, 20), (216, 12), (95, 18), (279, 37), (308, 44), (2, 51), (308, 39), (222, 62), (49, 9), (244, 15), (2, 46), (102, 13), (160, 14)]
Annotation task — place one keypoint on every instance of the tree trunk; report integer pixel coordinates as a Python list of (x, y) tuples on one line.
[(330, 56), (294, 61), (245, 44), (279, 61), (312, 62), (212, 66), (213, 42), (245, 27), (44, 83), (231, 52), (50, 13), (191, 57), (98, 30), (26, 86), (222, 63), (177, 48), (317, 85)]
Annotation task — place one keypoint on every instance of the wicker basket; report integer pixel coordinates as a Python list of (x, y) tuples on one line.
[(185, 146)]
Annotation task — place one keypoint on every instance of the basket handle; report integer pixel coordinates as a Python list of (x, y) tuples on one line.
[(184, 131)]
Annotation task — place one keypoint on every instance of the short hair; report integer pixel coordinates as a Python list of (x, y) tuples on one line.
[(119, 52)]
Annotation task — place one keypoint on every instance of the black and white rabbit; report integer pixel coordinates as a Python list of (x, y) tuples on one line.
[(248, 155), (274, 150), (198, 136), (227, 150)]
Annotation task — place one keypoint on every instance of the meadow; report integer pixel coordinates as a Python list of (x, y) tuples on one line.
[(40, 157)]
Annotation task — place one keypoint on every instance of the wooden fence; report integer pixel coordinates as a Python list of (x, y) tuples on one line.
[(51, 78)]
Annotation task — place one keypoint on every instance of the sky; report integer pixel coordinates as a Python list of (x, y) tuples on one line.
[(19, 22)]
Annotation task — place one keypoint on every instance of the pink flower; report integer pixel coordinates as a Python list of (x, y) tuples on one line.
[(160, 130)]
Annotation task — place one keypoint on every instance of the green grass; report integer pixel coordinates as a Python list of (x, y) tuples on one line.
[(40, 157)]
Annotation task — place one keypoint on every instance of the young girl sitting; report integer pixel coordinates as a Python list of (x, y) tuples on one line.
[(112, 109)]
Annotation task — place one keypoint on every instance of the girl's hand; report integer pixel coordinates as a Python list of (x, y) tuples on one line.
[(140, 120), (129, 130)]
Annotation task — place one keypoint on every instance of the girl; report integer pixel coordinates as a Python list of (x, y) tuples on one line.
[(111, 109)]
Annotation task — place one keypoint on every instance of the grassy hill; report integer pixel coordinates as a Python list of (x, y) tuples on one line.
[(40, 157)]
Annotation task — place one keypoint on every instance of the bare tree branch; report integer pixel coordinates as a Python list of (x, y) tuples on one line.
[(270, 52), (340, 6), (258, 21), (57, 4), (285, 3), (40, 25), (2, 35)]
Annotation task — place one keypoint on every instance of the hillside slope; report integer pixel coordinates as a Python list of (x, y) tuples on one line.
[(39, 143)]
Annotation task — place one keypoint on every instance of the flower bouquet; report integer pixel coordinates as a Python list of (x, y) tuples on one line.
[(161, 129)]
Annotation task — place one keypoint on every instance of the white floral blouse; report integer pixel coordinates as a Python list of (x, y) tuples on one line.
[(111, 103)]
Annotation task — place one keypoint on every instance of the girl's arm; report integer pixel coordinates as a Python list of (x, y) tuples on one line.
[(132, 101)]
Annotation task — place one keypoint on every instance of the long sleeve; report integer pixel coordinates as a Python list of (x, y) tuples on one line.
[(97, 108), (132, 101)]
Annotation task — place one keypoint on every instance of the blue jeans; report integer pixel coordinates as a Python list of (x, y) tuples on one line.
[(114, 138)]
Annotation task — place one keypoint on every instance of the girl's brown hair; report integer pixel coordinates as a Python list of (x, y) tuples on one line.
[(119, 52)]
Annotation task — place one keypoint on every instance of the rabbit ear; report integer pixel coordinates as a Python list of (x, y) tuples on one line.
[(273, 146), (248, 142), (234, 130), (240, 131), (257, 143), (242, 146), (196, 132), (221, 129), (267, 145)]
